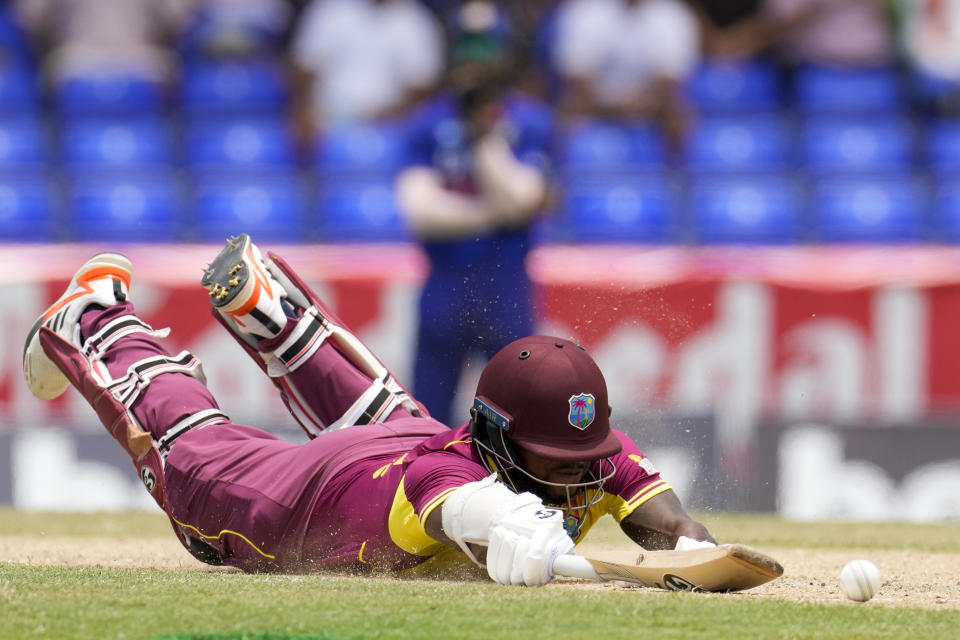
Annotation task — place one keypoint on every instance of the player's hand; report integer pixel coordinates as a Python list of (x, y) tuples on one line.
[(525, 541)]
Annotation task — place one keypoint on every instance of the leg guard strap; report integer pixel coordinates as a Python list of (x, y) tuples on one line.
[(198, 420), (373, 406), (118, 328), (128, 388), (310, 333)]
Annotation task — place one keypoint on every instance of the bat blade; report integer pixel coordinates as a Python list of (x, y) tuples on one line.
[(727, 567)]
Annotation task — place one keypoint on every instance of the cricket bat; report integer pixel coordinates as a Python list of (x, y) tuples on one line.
[(726, 567)]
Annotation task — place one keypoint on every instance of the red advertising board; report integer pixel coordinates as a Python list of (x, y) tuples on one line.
[(839, 333), (826, 332)]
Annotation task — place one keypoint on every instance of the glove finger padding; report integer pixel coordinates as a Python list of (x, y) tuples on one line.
[(524, 544), (546, 545), (500, 552)]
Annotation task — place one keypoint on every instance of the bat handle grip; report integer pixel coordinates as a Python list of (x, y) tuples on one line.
[(571, 566)]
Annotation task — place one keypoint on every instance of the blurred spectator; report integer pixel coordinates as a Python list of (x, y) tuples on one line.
[(627, 59), (532, 22), (855, 33), (236, 28), (442, 8), (929, 33), (478, 182), (363, 60), (90, 37), (732, 29)]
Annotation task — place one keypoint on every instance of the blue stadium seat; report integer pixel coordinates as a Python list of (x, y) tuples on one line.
[(931, 90), (28, 208), (235, 86), (605, 147), (946, 211), (18, 86), (362, 209), (746, 209), (857, 144), (873, 209), (735, 86), (362, 148), (23, 141), (109, 142), (740, 143), (819, 88), (14, 41), (620, 208), (942, 146), (233, 143), (108, 94), (272, 207), (124, 206)]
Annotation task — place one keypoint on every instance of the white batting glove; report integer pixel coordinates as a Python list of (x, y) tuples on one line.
[(685, 544), (525, 541)]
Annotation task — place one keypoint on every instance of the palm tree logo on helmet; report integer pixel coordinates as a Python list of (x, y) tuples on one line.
[(582, 410)]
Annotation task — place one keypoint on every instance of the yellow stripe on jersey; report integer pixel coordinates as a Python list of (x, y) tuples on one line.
[(621, 508), (382, 471), (223, 533), (430, 506), (406, 529)]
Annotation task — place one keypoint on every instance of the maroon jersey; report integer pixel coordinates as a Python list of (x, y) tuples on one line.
[(448, 460)]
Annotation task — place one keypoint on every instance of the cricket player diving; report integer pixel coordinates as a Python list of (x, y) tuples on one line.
[(379, 486)]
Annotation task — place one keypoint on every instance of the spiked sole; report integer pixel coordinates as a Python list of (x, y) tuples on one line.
[(235, 281), (228, 275)]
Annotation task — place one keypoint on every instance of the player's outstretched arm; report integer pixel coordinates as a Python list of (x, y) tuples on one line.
[(660, 522), (521, 537)]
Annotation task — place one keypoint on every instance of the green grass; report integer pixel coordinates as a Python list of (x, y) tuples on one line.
[(128, 525), (61, 602), (769, 531), (56, 602)]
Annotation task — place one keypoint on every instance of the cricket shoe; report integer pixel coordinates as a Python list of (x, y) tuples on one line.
[(103, 280), (243, 290)]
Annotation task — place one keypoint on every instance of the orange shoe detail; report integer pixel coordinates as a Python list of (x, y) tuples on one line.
[(261, 283), (84, 281)]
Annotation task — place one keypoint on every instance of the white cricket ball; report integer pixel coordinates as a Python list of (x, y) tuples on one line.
[(860, 580)]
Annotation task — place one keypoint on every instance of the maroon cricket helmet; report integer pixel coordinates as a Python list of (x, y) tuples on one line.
[(550, 398)]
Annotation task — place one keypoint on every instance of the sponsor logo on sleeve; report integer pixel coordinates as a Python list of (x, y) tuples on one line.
[(644, 463)]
